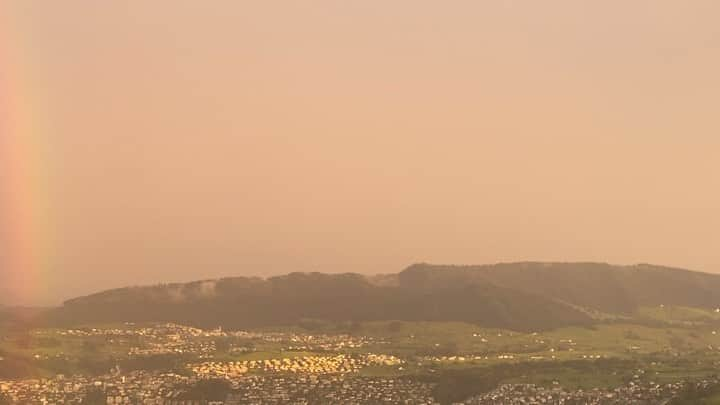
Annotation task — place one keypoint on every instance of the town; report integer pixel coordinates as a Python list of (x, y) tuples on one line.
[(296, 367), (172, 389)]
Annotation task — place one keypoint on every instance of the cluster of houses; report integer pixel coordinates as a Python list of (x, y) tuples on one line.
[(203, 349), (130, 329), (333, 364), (636, 391), (529, 394), (171, 389), (501, 357), (300, 342), (158, 339), (157, 388), (137, 387), (172, 338), (329, 389), (152, 388)]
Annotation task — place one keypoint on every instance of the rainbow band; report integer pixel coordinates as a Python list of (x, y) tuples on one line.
[(24, 226)]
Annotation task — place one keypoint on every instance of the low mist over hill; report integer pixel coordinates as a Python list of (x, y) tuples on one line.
[(521, 296)]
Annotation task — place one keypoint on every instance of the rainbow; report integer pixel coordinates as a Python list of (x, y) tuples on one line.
[(24, 206)]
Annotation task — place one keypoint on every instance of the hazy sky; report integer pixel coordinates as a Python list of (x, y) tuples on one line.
[(180, 140)]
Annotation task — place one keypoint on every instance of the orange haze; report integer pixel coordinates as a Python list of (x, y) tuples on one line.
[(189, 139)]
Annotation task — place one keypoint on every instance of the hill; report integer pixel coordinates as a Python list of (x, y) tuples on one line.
[(251, 302), (597, 286), (520, 296)]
